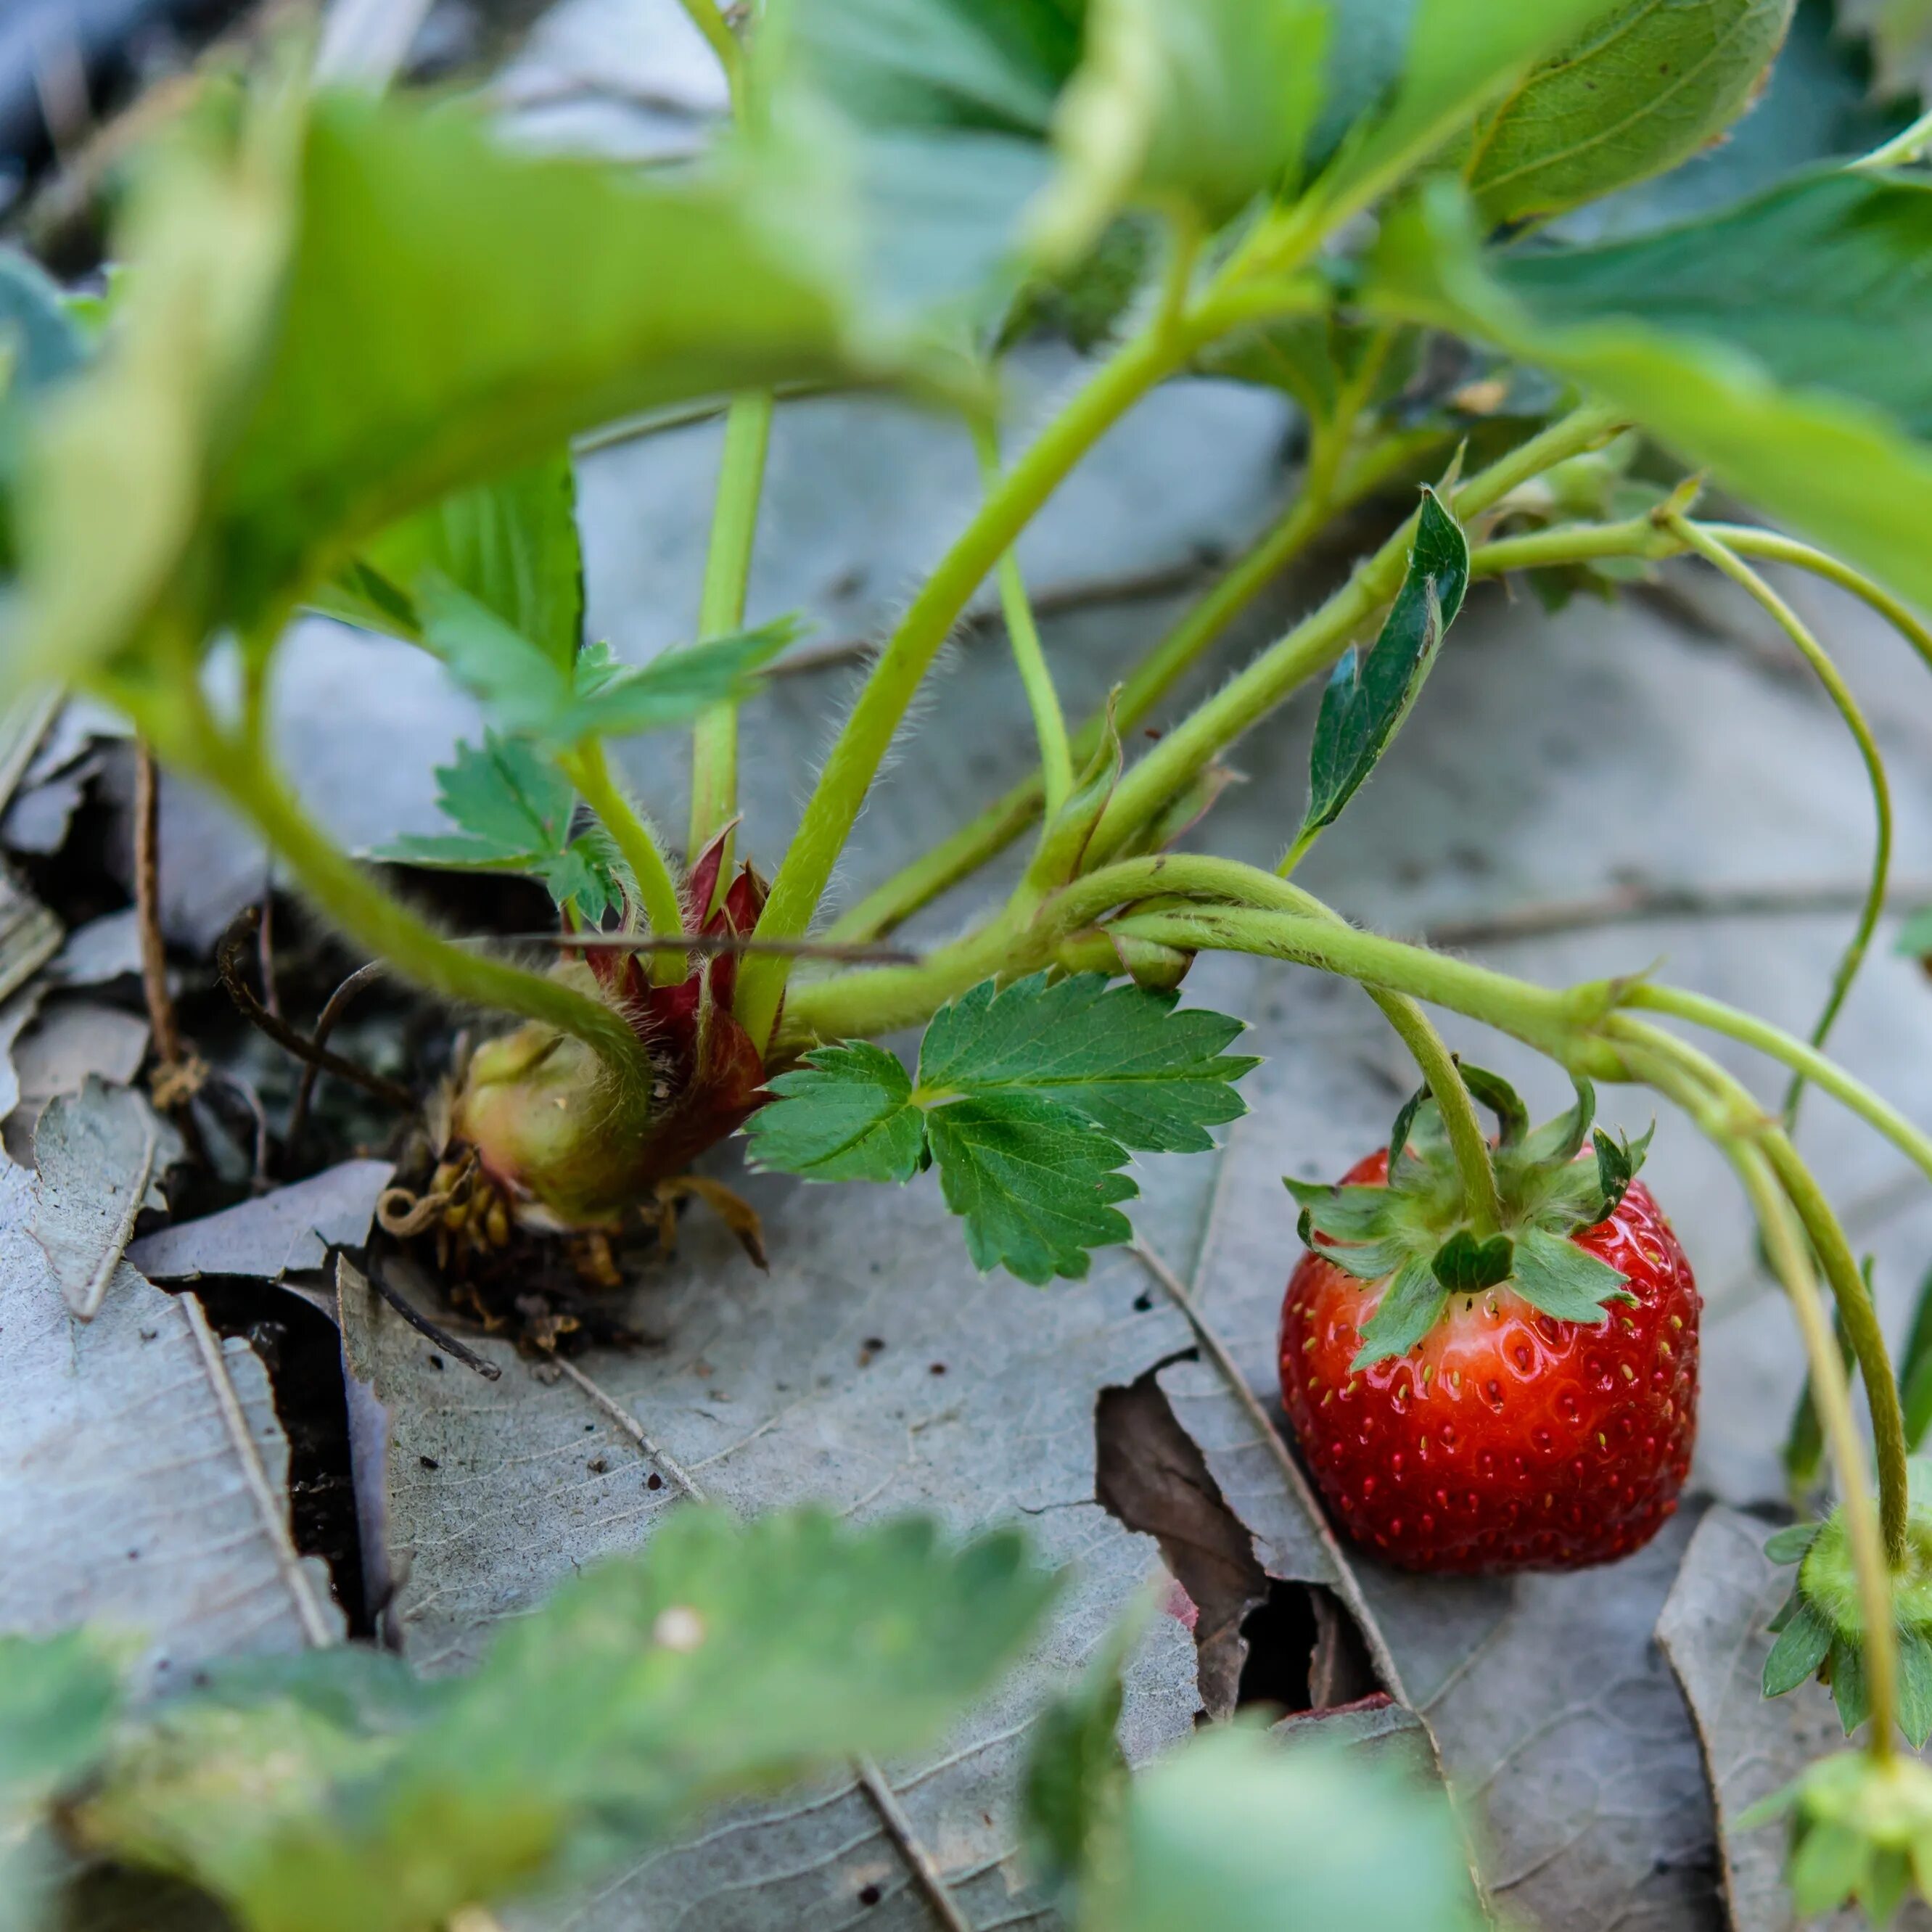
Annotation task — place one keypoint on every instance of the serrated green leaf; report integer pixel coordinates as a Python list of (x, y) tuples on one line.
[(1773, 343), (1208, 101), (524, 690), (846, 1114), (1788, 1544), (1557, 1276), (1410, 1305), (1648, 87), (1149, 1074), (515, 808), (1034, 1182), (1800, 1647), (729, 1658), (510, 544), (1368, 695), (615, 699)]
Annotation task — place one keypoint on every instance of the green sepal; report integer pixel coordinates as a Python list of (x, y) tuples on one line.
[(1802, 1647), (1849, 1690), (1405, 1125), (1342, 1214), (1366, 1260), (1915, 1686), (1493, 1091), (1788, 1545), (1859, 1827), (1829, 1865), (1785, 1611), (1410, 1305), (1555, 1275), (1466, 1266), (1558, 1142), (1915, 1369)]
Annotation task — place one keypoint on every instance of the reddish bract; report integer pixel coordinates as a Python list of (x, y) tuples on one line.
[(1504, 1440)]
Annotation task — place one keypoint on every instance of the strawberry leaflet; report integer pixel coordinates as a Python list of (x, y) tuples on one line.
[(1029, 1100)]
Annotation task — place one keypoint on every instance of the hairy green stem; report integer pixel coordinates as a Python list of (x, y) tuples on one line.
[(728, 568), (834, 805), (589, 770), (1572, 543), (984, 837), (1909, 144), (1719, 554), (1481, 1204), (350, 897), (1785, 1245), (1320, 638), (1823, 1073), (1049, 720), (1652, 1047), (1748, 540)]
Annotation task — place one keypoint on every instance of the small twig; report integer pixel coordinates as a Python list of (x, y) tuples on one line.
[(265, 950), (228, 963), (1634, 904), (633, 1429), (338, 1003), (899, 1827), (161, 1019), (710, 944), (380, 1281)]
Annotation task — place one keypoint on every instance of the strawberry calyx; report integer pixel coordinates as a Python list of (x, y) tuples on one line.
[(1821, 1627), (1414, 1233), (1860, 1828), (570, 1144)]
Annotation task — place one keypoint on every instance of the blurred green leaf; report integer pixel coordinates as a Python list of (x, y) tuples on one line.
[(339, 320), (729, 1658), (1076, 1782), (59, 1697), (1208, 101), (1650, 86), (1779, 344), (1236, 1832), (1458, 56), (1915, 1369)]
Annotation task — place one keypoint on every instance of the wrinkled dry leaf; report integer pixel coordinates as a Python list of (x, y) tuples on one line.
[(100, 1156), (126, 1498), (293, 1229), (104, 949)]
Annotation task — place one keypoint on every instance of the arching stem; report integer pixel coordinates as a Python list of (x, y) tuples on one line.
[(1716, 552)]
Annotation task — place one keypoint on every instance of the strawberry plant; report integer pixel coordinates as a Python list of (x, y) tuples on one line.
[(342, 372)]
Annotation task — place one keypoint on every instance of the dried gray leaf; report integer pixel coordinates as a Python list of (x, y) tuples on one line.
[(100, 1156), (291, 1230), (104, 949), (70, 1041), (134, 1468), (30, 935), (1713, 1629), (40, 817)]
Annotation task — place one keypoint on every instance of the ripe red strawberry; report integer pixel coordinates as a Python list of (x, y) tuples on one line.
[(1527, 1401)]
